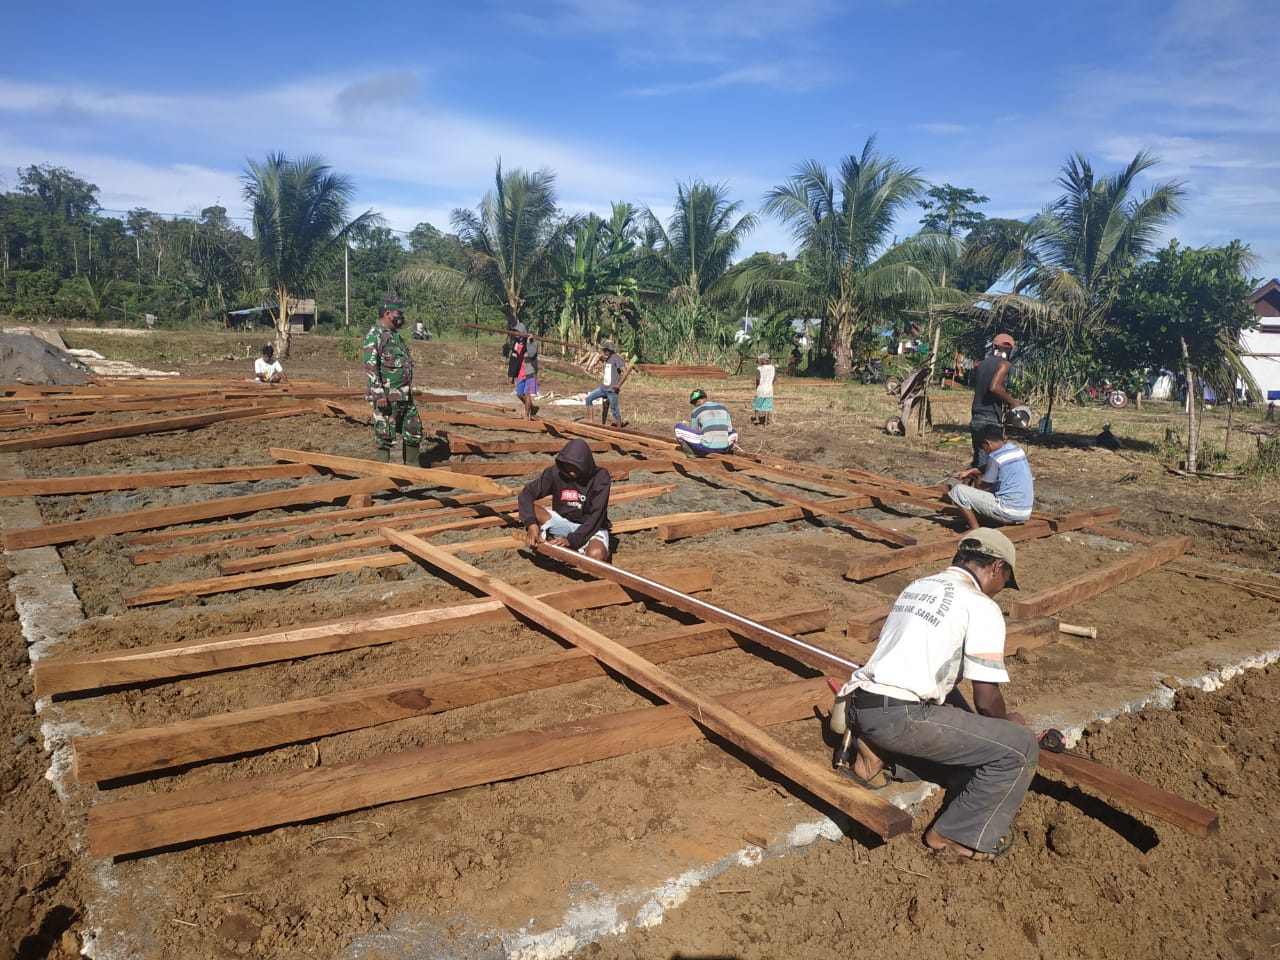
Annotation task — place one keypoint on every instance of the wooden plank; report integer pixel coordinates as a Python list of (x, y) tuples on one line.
[(944, 548), (1085, 518), (354, 466), (115, 668), (1087, 585), (374, 518), (61, 486), (480, 420), (679, 529), (63, 438), (329, 568), (806, 653), (307, 554), (220, 809), (325, 516), (1196, 820), (465, 445), (72, 530), (867, 527), (145, 750), (817, 778)]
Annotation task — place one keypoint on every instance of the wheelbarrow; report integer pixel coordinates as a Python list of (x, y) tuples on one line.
[(914, 414)]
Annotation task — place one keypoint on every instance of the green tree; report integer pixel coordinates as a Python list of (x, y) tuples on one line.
[(949, 209), (1186, 308), (300, 227), (848, 261), (507, 244)]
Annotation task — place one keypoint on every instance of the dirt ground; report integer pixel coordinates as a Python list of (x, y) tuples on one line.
[(688, 851)]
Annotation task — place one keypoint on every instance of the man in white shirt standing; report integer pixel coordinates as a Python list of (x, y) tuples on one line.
[(267, 368), (942, 628)]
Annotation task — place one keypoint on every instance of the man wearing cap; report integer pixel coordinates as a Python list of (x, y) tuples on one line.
[(709, 430), (905, 706), (991, 396), (615, 375), (388, 368), (1003, 491)]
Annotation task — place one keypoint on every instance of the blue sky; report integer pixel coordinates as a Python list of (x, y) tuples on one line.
[(161, 104)]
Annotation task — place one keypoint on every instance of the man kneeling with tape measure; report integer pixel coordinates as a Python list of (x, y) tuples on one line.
[(904, 704)]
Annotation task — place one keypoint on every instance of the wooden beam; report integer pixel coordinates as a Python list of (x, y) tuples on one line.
[(497, 515), (806, 653), (867, 527), (213, 810), (480, 420), (679, 529), (944, 548), (354, 466), (1087, 585), (1085, 518), (145, 750), (329, 568), (276, 523), (72, 530), (62, 486), (169, 661), (816, 778), (1196, 820), (465, 445), (63, 438)]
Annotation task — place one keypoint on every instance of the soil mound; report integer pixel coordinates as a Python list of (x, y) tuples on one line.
[(28, 359)]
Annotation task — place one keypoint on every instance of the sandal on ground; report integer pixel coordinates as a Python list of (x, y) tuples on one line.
[(1002, 847), (877, 781)]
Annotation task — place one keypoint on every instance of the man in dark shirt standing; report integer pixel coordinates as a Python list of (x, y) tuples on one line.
[(991, 397)]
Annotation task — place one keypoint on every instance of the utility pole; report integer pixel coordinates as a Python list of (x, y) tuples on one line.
[(346, 286)]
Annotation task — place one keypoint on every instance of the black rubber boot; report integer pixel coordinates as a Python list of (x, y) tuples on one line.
[(382, 455)]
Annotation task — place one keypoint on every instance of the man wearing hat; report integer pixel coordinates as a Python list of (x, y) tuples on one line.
[(991, 396), (710, 428), (388, 368), (615, 375), (905, 706)]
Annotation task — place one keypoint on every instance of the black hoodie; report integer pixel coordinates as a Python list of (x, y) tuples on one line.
[(583, 501)]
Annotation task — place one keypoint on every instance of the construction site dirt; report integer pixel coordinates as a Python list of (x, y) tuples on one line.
[(692, 849)]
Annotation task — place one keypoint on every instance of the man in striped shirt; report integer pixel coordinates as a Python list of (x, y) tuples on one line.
[(1001, 493), (709, 430)]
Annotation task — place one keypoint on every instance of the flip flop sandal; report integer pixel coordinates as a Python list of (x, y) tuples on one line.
[(1002, 847), (877, 782)]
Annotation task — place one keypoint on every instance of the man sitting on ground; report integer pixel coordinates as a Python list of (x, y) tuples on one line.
[(709, 430), (904, 702), (1001, 493), (579, 492), (267, 369)]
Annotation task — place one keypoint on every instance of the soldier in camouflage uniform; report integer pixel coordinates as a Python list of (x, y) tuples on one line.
[(388, 368)]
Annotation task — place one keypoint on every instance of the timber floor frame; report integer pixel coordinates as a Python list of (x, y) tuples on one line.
[(351, 514)]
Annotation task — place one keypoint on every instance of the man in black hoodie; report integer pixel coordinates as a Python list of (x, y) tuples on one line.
[(579, 492)]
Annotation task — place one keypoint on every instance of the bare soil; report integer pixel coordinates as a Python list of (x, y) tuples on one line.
[(585, 861)]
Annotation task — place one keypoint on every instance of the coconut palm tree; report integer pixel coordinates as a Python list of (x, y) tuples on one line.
[(690, 259), (300, 226), (508, 241), (848, 261), (1080, 247)]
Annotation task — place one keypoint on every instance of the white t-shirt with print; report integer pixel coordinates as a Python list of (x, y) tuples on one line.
[(264, 370), (941, 628)]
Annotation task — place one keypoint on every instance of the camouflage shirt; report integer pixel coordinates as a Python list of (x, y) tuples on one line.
[(388, 367)]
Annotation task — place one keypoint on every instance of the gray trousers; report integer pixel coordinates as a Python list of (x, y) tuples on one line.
[(997, 759)]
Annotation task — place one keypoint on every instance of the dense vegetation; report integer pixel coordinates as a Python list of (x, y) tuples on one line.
[(1084, 295)]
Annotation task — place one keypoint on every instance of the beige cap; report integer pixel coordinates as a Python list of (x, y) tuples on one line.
[(992, 543)]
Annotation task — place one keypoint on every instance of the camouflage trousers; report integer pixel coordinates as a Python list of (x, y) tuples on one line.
[(398, 416)]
